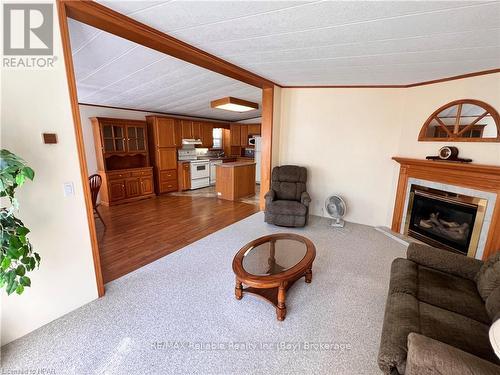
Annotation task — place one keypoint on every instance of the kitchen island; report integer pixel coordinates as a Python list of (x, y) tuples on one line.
[(235, 180)]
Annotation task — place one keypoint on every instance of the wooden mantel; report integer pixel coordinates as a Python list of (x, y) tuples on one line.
[(468, 175)]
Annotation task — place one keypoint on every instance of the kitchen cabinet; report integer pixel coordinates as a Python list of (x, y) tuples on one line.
[(166, 135), (184, 176), (207, 137), (196, 132), (254, 129), (243, 135), (122, 159), (186, 129), (166, 131), (235, 135), (166, 158)]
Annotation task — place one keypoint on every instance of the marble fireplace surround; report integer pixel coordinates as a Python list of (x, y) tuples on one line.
[(482, 181)]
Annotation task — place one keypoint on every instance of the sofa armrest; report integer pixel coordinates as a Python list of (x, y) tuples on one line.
[(270, 196), (428, 356), (305, 198), (442, 260)]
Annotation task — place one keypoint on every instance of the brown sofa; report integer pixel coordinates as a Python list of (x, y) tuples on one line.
[(438, 314), (287, 203)]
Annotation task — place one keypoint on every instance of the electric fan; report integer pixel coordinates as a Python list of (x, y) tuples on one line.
[(336, 208)]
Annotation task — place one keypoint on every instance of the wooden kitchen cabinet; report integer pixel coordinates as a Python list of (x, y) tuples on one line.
[(197, 129), (184, 176), (243, 135), (164, 153), (121, 147), (207, 137), (253, 129), (235, 135), (165, 128), (186, 129), (166, 158)]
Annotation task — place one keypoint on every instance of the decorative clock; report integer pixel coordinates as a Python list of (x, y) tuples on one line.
[(448, 153)]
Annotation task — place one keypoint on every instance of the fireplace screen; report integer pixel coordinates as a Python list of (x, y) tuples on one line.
[(444, 219)]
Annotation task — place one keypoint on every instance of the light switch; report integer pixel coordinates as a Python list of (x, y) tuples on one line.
[(69, 189)]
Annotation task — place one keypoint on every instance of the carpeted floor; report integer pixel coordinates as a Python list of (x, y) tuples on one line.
[(179, 315)]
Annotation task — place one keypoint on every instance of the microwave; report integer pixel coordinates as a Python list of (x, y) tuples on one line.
[(251, 141)]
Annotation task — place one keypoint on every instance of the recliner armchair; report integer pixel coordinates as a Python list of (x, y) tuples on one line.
[(287, 203)]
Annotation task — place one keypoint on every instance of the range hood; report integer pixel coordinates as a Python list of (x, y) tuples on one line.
[(191, 141)]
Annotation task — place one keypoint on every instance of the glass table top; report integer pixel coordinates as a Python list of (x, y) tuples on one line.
[(273, 257)]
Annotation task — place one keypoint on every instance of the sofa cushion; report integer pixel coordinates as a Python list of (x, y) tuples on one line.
[(488, 277), (452, 293), (280, 207), (456, 330)]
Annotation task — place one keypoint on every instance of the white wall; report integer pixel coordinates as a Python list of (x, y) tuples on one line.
[(346, 138), (34, 102)]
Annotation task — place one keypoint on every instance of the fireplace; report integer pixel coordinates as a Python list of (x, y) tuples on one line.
[(444, 219)]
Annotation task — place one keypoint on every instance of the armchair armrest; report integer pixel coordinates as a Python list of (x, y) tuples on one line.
[(305, 198), (428, 356), (270, 196), (442, 260)]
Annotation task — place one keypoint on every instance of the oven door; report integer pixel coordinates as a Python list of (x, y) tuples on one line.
[(200, 170)]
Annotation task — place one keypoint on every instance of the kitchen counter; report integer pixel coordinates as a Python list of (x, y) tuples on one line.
[(236, 164), (235, 180)]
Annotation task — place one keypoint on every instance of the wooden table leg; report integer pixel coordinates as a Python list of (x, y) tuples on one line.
[(238, 289), (281, 308), (309, 275)]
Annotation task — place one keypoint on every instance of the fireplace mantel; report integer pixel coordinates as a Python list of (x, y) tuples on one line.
[(468, 175)]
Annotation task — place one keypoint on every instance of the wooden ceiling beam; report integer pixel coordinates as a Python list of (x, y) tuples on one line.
[(103, 18)]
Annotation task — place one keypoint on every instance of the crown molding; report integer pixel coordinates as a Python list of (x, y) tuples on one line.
[(434, 81)]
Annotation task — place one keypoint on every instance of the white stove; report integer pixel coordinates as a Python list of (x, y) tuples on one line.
[(200, 173)]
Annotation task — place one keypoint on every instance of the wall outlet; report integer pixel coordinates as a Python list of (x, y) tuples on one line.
[(69, 189)]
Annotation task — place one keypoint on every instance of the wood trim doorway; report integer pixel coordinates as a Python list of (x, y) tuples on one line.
[(105, 19)]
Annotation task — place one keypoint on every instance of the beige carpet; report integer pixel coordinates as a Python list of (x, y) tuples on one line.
[(179, 315)]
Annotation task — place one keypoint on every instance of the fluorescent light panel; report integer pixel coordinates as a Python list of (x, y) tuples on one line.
[(234, 104)]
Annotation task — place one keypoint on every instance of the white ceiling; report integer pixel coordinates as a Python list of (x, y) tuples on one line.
[(335, 42), (115, 72), (289, 42)]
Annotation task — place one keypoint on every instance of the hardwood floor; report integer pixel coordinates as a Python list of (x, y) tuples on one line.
[(140, 232)]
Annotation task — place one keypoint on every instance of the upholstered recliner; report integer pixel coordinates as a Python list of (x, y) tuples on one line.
[(287, 203)]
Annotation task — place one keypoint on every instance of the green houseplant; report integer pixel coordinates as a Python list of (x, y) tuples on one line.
[(17, 256)]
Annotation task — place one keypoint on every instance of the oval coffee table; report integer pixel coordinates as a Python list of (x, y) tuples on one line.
[(271, 264)]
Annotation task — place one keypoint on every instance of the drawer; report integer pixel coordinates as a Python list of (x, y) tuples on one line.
[(118, 176), (168, 175), (168, 186), (141, 173)]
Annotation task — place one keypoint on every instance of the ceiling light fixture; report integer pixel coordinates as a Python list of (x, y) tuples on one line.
[(234, 104)]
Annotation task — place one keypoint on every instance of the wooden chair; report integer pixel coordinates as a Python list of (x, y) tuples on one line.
[(95, 182)]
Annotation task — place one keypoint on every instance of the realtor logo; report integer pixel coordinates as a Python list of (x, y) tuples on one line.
[(28, 29)]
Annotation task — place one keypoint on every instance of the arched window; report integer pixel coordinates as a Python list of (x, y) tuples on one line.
[(464, 120)]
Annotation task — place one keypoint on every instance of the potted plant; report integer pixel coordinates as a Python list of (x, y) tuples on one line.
[(17, 256)]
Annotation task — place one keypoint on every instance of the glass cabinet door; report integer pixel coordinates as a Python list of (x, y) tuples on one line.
[(113, 138), (135, 138)]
